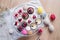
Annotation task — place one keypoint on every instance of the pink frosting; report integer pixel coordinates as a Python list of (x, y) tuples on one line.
[(24, 32)]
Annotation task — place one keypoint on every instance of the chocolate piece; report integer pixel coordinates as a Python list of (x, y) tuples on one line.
[(30, 10)]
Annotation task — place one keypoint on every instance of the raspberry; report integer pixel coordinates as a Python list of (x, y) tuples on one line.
[(20, 11), (29, 21), (16, 15), (40, 31), (19, 20), (34, 16), (16, 23)]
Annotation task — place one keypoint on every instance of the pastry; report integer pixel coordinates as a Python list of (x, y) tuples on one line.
[(30, 10), (24, 32), (25, 15), (38, 21), (33, 26), (40, 10)]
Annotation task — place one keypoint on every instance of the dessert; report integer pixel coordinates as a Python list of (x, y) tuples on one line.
[(30, 32), (24, 24), (34, 17), (30, 10), (52, 17), (25, 15), (38, 21), (40, 10), (33, 26), (24, 32), (20, 28), (28, 28)]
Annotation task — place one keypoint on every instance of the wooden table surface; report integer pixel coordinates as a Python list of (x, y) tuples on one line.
[(49, 6)]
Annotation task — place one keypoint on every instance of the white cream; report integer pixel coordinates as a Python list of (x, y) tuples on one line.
[(28, 28)]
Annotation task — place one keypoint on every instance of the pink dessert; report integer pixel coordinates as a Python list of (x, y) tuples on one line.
[(24, 32)]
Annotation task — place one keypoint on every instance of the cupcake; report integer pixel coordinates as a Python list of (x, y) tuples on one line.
[(33, 26), (38, 21), (25, 15), (30, 10)]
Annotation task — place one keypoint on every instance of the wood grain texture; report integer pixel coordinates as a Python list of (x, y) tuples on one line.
[(49, 6)]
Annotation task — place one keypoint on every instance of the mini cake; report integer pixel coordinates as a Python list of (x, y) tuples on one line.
[(24, 24), (30, 32), (25, 15), (20, 28), (24, 32), (30, 10), (52, 17), (38, 21), (28, 28), (33, 26), (40, 10)]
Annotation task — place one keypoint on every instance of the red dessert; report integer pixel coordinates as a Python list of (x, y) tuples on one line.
[(29, 21), (16, 23), (20, 11), (20, 28), (24, 24), (16, 15), (19, 20), (30, 10), (52, 17), (25, 15), (40, 31), (34, 16)]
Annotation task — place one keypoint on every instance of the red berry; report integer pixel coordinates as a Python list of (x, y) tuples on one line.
[(20, 11), (16, 23), (16, 15), (19, 20), (52, 17), (34, 16), (40, 31), (29, 21)]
